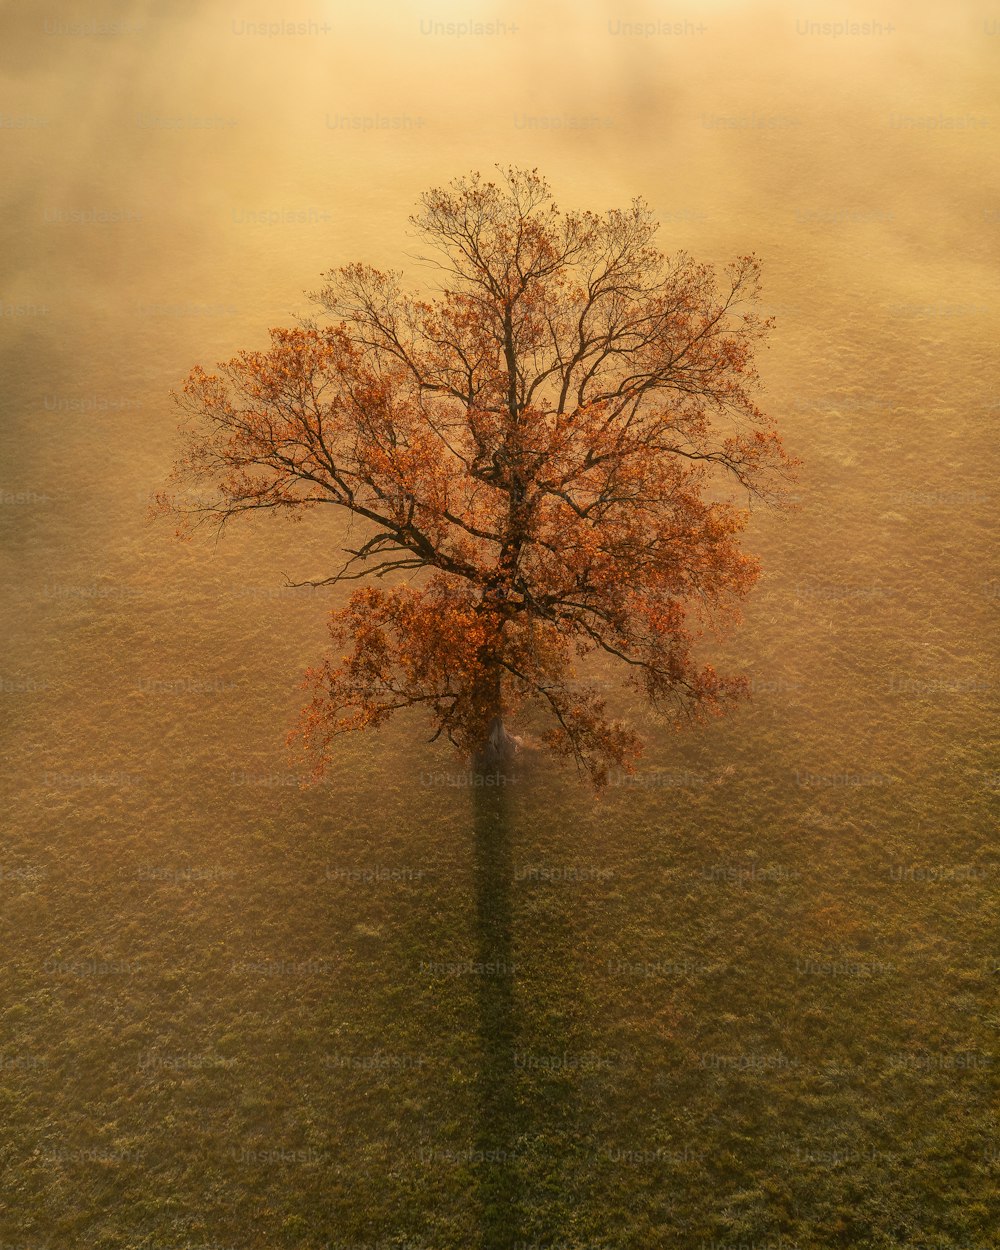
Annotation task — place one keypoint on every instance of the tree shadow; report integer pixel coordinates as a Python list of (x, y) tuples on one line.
[(500, 1122)]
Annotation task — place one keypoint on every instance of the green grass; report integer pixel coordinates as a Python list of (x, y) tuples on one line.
[(267, 1060), (754, 993)]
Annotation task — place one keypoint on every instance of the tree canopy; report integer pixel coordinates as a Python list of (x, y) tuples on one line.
[(554, 449)]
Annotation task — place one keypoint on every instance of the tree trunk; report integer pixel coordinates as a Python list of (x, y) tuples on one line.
[(497, 747)]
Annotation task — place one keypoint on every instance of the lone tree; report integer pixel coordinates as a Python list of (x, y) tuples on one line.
[(558, 450)]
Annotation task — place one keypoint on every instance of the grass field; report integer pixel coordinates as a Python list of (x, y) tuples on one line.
[(748, 997)]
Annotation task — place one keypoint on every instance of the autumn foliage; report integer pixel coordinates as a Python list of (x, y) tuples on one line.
[(556, 449)]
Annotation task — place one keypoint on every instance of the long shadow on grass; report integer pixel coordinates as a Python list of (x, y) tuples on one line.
[(499, 1122)]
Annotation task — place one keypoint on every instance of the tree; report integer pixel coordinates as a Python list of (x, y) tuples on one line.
[(558, 449)]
